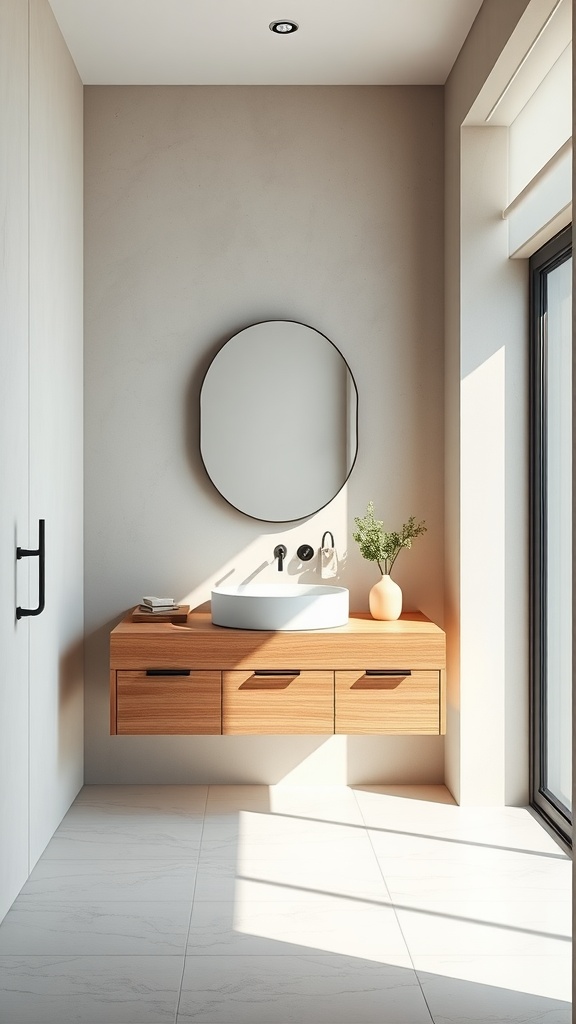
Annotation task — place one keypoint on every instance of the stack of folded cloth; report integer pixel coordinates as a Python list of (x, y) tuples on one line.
[(156, 605)]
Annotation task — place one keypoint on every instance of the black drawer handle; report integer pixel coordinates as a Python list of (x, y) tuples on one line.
[(38, 552), (388, 672), (277, 672), (168, 672)]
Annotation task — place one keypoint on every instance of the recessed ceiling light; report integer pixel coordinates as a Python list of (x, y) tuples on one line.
[(283, 27)]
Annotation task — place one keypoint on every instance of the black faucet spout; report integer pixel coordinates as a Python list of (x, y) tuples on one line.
[(280, 553)]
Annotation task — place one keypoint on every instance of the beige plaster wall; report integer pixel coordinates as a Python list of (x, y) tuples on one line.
[(207, 209)]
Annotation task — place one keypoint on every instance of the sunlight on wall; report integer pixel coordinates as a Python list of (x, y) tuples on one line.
[(482, 584), (256, 563), (325, 766)]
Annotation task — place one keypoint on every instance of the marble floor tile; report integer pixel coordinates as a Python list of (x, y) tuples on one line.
[(512, 879), (102, 880), (126, 841), (505, 828), (413, 843), (484, 927), (547, 976), (303, 989), (274, 929), (224, 879), (311, 905), (392, 806), (89, 989), (497, 990), (131, 799), (34, 927), (508, 837), (345, 850), (335, 804), (138, 804), (276, 830), (225, 802)]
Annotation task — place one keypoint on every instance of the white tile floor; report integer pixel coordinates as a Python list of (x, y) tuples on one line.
[(257, 905)]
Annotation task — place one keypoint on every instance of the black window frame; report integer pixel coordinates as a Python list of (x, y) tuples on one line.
[(548, 258)]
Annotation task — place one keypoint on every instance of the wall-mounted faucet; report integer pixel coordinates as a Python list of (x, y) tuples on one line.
[(280, 553)]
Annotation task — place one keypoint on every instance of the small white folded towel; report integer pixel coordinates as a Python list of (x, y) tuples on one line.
[(328, 559)]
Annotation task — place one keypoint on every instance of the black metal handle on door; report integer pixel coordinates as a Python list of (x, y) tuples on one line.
[(29, 553)]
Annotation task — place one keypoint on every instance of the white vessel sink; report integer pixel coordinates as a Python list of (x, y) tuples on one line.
[(279, 606)]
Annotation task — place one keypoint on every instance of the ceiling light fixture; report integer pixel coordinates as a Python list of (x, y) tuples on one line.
[(283, 27)]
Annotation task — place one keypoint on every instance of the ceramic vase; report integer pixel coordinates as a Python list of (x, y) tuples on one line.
[(385, 599)]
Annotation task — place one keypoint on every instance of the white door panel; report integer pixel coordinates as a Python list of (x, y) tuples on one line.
[(13, 448), (40, 434), (56, 403)]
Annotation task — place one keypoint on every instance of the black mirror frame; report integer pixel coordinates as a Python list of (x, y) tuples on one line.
[(353, 463)]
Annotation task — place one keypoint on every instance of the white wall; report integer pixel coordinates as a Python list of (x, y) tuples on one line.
[(209, 208), (494, 485), (535, 135), (486, 430)]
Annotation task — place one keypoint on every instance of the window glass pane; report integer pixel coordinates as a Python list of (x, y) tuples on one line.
[(558, 540)]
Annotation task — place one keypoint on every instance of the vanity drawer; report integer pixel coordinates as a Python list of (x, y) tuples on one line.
[(153, 703), (278, 701), (400, 702)]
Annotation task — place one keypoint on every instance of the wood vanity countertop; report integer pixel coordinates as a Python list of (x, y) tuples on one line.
[(411, 642)]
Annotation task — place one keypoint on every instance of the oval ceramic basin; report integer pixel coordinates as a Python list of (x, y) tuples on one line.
[(279, 606)]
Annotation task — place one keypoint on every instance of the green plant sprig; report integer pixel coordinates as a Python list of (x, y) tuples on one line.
[(376, 545)]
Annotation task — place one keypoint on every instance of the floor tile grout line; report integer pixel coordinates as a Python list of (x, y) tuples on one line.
[(170, 956), (408, 950), (404, 939), (295, 954), (393, 903), (179, 993), (76, 955)]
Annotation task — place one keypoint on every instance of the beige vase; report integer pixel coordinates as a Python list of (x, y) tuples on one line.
[(385, 599)]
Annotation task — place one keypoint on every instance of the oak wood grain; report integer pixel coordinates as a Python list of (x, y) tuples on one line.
[(252, 704), (389, 704), (169, 705), (112, 702), (300, 704), (361, 643)]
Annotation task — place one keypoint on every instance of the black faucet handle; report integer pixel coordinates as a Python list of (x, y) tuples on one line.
[(280, 552)]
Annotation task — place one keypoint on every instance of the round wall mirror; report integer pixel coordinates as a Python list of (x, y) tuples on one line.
[(278, 421)]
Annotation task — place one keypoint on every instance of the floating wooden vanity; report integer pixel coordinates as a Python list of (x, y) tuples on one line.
[(197, 678)]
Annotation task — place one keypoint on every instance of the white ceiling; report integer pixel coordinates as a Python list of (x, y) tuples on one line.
[(228, 42)]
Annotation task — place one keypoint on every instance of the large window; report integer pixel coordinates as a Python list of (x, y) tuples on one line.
[(551, 562)]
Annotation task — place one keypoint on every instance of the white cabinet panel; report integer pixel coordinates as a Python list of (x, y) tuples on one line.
[(13, 447), (56, 404), (41, 758)]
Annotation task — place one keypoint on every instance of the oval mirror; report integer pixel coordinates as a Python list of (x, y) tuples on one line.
[(278, 421)]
